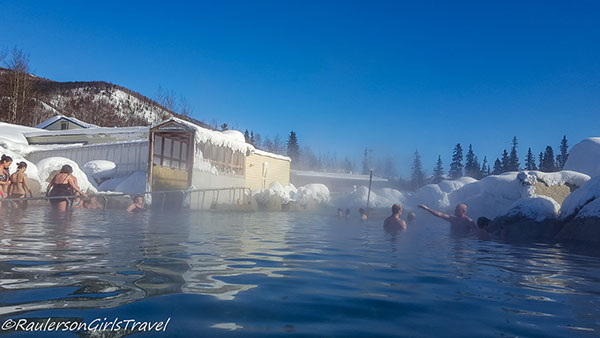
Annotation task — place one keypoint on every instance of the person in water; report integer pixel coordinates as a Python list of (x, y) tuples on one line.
[(482, 232), (460, 223), (137, 205), (411, 218), (340, 213), (363, 214), (63, 184), (394, 222), (347, 212), (18, 185), (5, 162)]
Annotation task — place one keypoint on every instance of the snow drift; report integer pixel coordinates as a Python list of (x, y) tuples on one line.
[(584, 157), (50, 166)]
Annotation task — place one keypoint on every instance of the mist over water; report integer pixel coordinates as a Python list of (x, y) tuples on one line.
[(275, 273)]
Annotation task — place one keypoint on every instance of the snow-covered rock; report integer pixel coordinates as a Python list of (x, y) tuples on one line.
[(100, 169), (278, 195), (536, 208), (50, 166), (583, 202), (584, 157)]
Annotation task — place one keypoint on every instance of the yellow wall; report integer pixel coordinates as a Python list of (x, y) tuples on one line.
[(164, 179), (278, 171)]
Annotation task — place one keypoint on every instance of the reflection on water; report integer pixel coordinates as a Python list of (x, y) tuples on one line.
[(275, 273)]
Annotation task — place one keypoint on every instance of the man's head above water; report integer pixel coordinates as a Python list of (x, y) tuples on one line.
[(461, 210)]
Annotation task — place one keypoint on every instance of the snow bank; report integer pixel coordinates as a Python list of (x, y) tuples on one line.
[(280, 194), (48, 167), (132, 184), (583, 202), (99, 169), (380, 198), (536, 208), (12, 137), (318, 193), (584, 157)]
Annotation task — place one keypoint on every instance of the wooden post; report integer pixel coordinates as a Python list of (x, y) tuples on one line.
[(369, 194)]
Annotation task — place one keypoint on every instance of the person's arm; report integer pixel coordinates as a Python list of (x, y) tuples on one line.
[(26, 185), (131, 207), (403, 224), (73, 184), (435, 212)]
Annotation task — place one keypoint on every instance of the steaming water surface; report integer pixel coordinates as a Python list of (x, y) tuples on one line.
[(260, 274)]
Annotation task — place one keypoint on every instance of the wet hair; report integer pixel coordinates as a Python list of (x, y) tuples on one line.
[(483, 222), (66, 169), (411, 217), (347, 211), (361, 211), (5, 158), (138, 196), (396, 208), (21, 165)]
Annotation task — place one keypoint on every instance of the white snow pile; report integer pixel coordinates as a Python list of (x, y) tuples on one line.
[(100, 169), (584, 157), (438, 195), (583, 202), (380, 198), (537, 208), (52, 165), (316, 192), (132, 184), (276, 189)]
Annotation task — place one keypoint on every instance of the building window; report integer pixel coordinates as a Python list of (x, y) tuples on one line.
[(64, 125), (170, 152)]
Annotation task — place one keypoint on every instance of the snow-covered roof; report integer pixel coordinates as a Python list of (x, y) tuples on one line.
[(14, 133), (268, 154), (213, 137), (56, 118), (88, 131), (338, 176)]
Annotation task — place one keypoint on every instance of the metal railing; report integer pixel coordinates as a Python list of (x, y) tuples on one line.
[(241, 193)]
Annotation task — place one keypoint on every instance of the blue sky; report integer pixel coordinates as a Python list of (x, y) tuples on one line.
[(389, 75)]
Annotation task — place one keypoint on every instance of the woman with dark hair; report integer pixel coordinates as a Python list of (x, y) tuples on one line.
[(5, 162), (63, 184), (19, 187), (137, 205)]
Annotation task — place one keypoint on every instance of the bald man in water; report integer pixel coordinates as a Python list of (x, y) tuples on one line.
[(394, 222), (460, 223)]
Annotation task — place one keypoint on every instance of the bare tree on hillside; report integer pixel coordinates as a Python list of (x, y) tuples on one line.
[(19, 88), (166, 98)]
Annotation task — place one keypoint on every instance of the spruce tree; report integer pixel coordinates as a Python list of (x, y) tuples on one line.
[(540, 161), (505, 161), (252, 139), (418, 178), (497, 167), (456, 166), (561, 159), (472, 168), (348, 167), (485, 168), (513, 159), (247, 136), (293, 149), (530, 161), (438, 171), (548, 161)]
